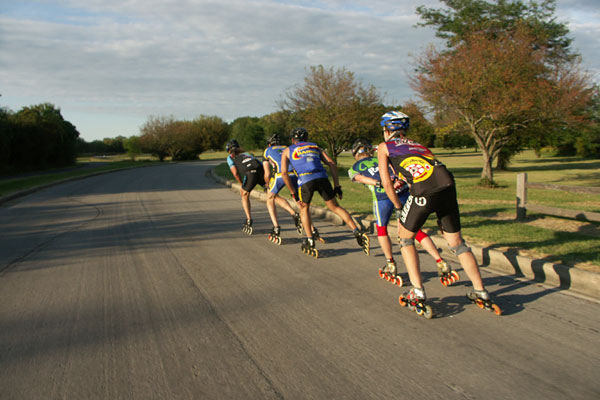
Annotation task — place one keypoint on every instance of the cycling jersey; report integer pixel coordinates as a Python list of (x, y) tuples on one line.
[(305, 158), (418, 166)]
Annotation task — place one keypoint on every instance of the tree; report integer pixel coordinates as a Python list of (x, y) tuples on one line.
[(498, 86), (465, 17), (248, 132), (154, 136), (133, 146), (334, 107), (211, 131)]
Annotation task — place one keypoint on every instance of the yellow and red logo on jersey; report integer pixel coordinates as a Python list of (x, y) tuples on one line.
[(419, 168), (303, 151)]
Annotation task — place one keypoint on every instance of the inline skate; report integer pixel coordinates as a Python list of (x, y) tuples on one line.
[(317, 236), (483, 300), (298, 223), (415, 300), (247, 227), (275, 235), (389, 272), (308, 247), (447, 275), (363, 241)]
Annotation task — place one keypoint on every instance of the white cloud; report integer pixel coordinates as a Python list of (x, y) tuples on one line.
[(137, 58)]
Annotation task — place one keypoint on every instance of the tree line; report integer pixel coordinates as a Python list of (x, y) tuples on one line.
[(507, 80)]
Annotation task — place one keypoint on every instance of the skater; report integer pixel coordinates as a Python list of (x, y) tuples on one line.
[(307, 160), (432, 189), (272, 159), (249, 172), (366, 171)]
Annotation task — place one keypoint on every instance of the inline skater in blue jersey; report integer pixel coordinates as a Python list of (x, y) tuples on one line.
[(366, 171), (272, 160), (432, 189), (307, 160), (249, 172)]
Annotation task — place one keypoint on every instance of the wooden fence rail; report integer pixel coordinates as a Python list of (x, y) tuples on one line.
[(523, 206)]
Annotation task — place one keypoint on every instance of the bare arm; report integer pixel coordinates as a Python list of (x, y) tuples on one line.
[(285, 163), (267, 168), (332, 167), (235, 173), (384, 172), (365, 180)]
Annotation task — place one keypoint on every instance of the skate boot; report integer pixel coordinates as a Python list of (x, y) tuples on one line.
[(317, 236), (447, 275), (415, 300), (363, 241), (483, 300), (298, 223), (247, 227), (275, 236), (308, 247), (390, 273)]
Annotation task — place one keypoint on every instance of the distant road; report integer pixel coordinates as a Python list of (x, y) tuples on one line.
[(139, 284)]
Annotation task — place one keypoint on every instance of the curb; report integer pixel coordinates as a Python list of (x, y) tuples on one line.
[(558, 276)]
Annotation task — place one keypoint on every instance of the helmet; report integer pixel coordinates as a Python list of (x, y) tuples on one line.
[(395, 121), (361, 144), (273, 139), (232, 144), (299, 134)]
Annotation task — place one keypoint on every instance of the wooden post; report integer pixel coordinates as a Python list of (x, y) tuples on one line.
[(521, 196)]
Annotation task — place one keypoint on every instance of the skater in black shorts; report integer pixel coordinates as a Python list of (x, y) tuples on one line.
[(307, 160), (432, 190), (249, 172)]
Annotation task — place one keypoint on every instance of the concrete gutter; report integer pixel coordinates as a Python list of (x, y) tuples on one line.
[(509, 263)]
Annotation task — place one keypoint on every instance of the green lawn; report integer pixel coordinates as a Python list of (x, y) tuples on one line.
[(488, 214)]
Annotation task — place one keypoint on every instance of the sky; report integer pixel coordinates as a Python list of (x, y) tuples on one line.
[(111, 64)]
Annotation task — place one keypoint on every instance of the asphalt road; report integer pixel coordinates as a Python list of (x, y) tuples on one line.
[(140, 285)]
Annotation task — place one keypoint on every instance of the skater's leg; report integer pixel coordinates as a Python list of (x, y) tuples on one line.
[(384, 241), (306, 219), (246, 203), (341, 212), (466, 258), (410, 256), (283, 203), (271, 208), (428, 245)]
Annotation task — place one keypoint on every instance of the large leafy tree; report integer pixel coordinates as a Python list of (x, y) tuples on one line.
[(497, 86), (334, 107), (461, 18)]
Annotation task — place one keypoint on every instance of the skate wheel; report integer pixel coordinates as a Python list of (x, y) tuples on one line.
[(480, 303), (428, 312), (444, 281), (381, 274), (402, 301), (279, 241), (455, 276), (399, 281), (315, 253), (497, 310)]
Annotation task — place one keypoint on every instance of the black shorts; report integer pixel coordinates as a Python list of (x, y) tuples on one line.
[(253, 178), (321, 185), (444, 204)]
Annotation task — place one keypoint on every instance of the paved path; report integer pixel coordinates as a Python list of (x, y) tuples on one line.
[(140, 285)]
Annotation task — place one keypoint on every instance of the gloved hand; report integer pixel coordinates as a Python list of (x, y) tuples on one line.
[(338, 191)]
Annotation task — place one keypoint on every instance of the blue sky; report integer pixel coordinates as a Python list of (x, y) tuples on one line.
[(110, 64)]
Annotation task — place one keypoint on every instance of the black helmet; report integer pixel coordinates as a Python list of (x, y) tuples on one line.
[(273, 139), (361, 143), (299, 134), (232, 144)]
